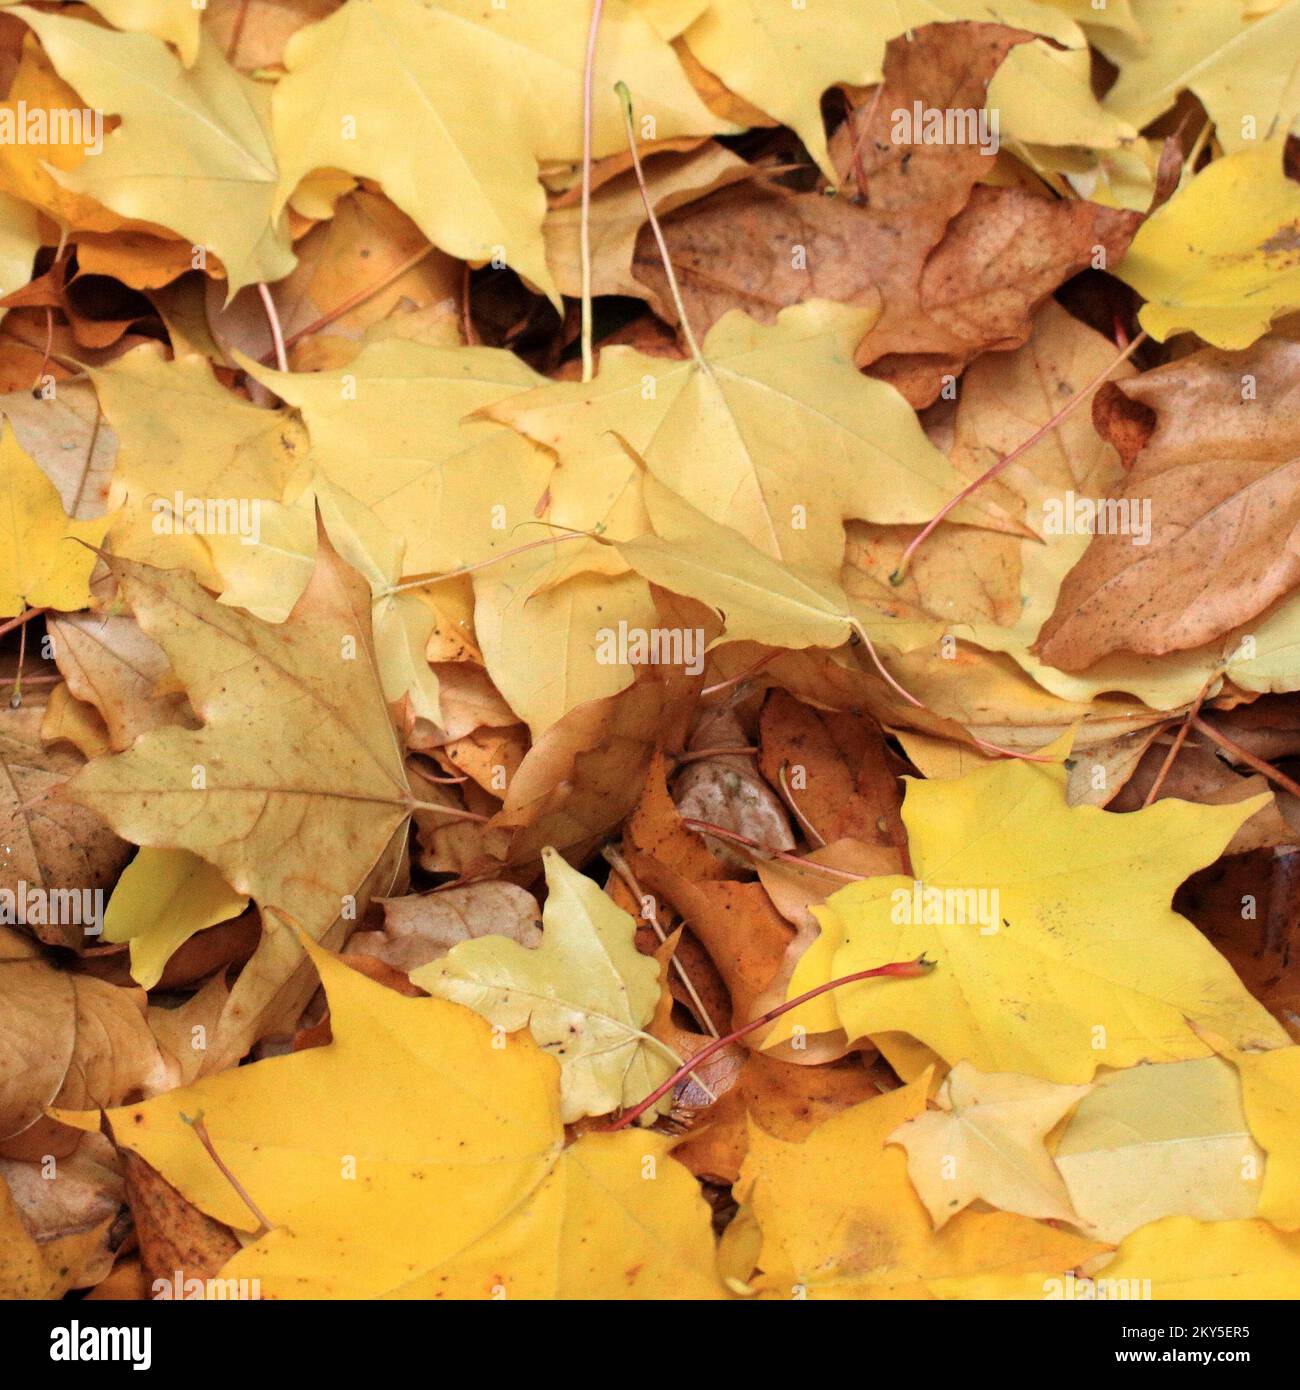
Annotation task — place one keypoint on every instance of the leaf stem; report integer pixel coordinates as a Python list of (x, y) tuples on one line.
[(1247, 757), (584, 227), (907, 695), (453, 811), (739, 750), (24, 617), (200, 1129), (273, 320), (625, 97), (1179, 739), (720, 832), (904, 970), (421, 581), (1022, 448)]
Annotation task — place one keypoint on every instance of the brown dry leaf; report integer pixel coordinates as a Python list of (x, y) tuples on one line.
[(182, 1032), (125, 1283), (253, 33), (1217, 483), (726, 790), (109, 662), (745, 936), (1197, 775), (740, 249), (816, 755), (137, 259), (1004, 253), (66, 1039), (60, 1197), (1248, 907), (785, 1100), (451, 844), (47, 842), (956, 272), (226, 944), (1268, 727), (425, 926)]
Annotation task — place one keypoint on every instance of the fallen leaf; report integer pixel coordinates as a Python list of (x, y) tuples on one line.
[(1201, 541), (61, 853), (1089, 987), (1181, 1258), (1225, 281), (68, 1039), (984, 1141), (48, 556), (222, 197), (585, 993), (1157, 1141), (426, 926), (163, 898), (417, 72), (442, 1111)]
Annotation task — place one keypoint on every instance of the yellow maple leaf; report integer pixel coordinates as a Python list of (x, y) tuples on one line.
[(736, 437), (1056, 948), (417, 1157), (1180, 1258), (586, 993), (985, 1141), (1238, 64), (220, 194), (185, 439), (1150, 1142), (277, 703), (390, 428), (1270, 1093)]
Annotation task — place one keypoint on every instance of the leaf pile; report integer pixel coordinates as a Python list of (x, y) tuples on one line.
[(506, 632)]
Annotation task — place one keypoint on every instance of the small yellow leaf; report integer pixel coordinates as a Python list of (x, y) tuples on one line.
[(1167, 1140), (43, 563), (985, 1141), (1270, 1086), (586, 993), (1179, 1258), (163, 897)]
